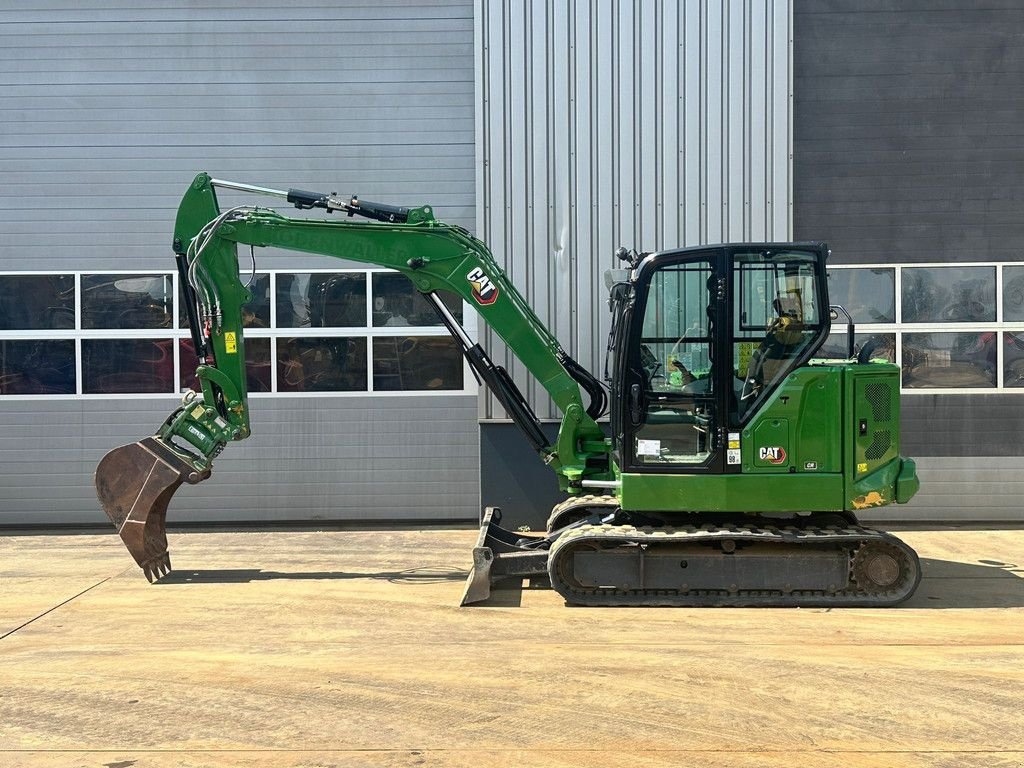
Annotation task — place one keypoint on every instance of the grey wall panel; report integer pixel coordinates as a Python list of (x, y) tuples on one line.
[(367, 458), (909, 122), (958, 488), (649, 124), (108, 109), (964, 426)]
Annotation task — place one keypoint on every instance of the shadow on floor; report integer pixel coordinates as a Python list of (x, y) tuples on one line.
[(944, 583), (984, 584), (427, 575)]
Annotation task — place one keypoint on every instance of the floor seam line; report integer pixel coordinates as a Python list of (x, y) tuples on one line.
[(58, 605)]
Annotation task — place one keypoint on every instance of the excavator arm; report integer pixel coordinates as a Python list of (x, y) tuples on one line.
[(136, 482)]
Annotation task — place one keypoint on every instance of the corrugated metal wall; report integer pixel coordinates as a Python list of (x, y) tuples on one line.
[(649, 124), (109, 109)]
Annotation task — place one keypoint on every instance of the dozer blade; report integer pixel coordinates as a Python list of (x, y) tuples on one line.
[(134, 484), (500, 554)]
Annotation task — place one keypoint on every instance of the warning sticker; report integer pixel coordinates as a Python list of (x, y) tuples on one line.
[(648, 447), (744, 351), (230, 342)]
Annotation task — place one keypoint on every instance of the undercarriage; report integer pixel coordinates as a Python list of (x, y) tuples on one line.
[(619, 559)]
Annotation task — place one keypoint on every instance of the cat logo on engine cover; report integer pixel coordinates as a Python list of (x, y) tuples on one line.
[(484, 291), (773, 454)]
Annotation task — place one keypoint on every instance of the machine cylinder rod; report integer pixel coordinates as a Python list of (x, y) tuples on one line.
[(249, 188)]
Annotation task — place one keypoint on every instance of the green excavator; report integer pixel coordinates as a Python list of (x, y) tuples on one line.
[(734, 461)]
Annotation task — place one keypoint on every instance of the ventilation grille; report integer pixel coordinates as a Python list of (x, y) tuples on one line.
[(880, 443), (879, 397)]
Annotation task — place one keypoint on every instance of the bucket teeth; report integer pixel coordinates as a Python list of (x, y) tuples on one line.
[(135, 484), (158, 568)]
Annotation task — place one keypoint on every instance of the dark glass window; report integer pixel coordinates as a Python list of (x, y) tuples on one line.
[(416, 363), (255, 313), (881, 346), (37, 367), (397, 303), (869, 295), (1013, 294), (127, 301), (336, 300), (127, 366), (949, 359), (1013, 359), (37, 302), (321, 364), (257, 365), (949, 294)]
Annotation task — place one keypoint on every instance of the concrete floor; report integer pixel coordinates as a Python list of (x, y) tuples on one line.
[(347, 649)]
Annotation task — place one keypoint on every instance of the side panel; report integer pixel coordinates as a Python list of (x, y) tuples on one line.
[(799, 429), (872, 442), (733, 493)]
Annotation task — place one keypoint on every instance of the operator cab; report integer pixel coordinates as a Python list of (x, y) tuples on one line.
[(702, 337)]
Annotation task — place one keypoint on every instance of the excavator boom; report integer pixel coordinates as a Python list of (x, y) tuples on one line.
[(135, 482)]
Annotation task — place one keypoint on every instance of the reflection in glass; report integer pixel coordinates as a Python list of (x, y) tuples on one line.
[(1013, 294), (321, 364), (949, 359), (334, 300), (776, 316), (37, 302), (949, 294), (257, 365), (127, 365), (255, 313), (880, 346), (1013, 359), (36, 367), (416, 363), (397, 303), (126, 301), (869, 295)]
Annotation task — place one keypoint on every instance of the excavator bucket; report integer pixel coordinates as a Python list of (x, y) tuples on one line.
[(134, 484), (501, 554)]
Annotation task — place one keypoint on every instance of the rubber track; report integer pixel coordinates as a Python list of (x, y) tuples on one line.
[(851, 537), (607, 502)]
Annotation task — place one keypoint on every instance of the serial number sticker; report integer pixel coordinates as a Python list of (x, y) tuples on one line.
[(230, 342), (648, 447)]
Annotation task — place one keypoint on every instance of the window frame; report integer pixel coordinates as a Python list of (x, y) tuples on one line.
[(900, 328), (176, 334)]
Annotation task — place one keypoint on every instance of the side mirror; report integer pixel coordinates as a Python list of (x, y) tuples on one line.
[(613, 277), (834, 313)]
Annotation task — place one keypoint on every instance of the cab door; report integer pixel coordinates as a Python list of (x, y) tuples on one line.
[(673, 412)]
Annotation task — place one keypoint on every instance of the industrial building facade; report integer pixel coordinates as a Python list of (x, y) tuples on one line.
[(555, 132)]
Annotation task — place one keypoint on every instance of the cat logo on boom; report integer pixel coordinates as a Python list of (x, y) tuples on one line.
[(484, 291), (773, 454)]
